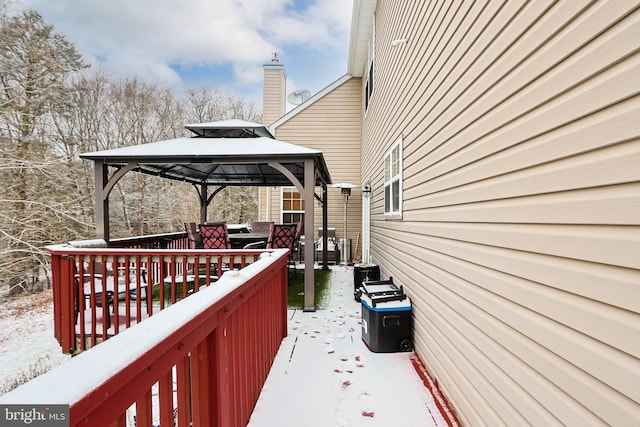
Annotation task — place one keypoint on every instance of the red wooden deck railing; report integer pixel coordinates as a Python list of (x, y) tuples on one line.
[(98, 292), (200, 362)]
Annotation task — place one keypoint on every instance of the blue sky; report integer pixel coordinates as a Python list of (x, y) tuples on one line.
[(217, 42)]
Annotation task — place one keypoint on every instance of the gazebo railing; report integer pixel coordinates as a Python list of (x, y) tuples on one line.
[(99, 292), (201, 362), (176, 240)]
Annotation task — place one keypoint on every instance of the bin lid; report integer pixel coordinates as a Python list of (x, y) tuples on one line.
[(382, 291), (377, 288), (399, 302)]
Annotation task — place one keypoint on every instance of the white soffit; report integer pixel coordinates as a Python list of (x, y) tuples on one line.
[(361, 27)]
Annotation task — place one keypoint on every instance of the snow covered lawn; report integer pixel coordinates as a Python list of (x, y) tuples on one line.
[(27, 345)]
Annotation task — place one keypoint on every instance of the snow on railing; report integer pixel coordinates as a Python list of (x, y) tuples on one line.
[(200, 362)]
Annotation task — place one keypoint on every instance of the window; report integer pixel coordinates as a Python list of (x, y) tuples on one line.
[(393, 181), (368, 86), (292, 206)]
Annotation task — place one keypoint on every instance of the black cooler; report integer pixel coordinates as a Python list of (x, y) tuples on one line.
[(363, 273), (386, 317)]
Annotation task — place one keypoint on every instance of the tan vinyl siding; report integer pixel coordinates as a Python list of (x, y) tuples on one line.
[(262, 197), (273, 98), (332, 125), (519, 241)]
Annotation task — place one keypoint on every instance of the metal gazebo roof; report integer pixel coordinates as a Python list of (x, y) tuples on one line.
[(230, 129), (214, 158)]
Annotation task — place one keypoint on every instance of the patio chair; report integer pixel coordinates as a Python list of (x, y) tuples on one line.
[(299, 230), (296, 245), (215, 235), (114, 286), (255, 245), (332, 246), (261, 227), (105, 280), (283, 236), (195, 241)]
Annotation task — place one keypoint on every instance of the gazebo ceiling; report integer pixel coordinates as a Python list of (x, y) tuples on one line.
[(224, 159), (255, 174)]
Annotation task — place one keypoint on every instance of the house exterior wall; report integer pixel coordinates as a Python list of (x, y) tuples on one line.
[(331, 124), (519, 241)]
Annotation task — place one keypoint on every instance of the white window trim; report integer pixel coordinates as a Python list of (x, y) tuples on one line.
[(370, 70), (399, 177)]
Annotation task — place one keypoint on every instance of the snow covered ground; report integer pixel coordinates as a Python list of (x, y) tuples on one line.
[(324, 375), (27, 345)]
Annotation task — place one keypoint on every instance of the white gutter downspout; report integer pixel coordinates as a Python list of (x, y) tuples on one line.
[(366, 224)]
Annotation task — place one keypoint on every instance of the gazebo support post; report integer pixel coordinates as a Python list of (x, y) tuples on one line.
[(205, 199), (325, 224), (307, 190), (204, 188), (101, 200), (309, 250)]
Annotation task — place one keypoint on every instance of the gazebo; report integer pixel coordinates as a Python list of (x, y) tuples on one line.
[(221, 154)]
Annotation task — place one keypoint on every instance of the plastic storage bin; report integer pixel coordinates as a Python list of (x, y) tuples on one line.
[(364, 273), (386, 317)]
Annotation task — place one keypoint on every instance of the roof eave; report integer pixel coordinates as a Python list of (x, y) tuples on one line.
[(361, 26)]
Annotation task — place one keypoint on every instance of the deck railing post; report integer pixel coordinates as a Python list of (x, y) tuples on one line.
[(55, 285), (203, 383), (183, 391), (284, 278), (144, 410), (67, 301), (121, 421), (222, 366), (165, 399)]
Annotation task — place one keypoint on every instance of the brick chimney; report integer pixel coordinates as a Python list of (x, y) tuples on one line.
[(274, 91)]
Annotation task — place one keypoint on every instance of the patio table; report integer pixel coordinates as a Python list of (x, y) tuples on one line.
[(239, 240)]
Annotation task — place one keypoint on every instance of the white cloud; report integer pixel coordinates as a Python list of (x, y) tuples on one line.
[(146, 37), (248, 73), (323, 25)]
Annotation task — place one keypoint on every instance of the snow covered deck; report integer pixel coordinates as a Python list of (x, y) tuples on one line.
[(324, 374)]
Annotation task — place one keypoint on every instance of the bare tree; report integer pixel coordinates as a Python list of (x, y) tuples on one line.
[(141, 113), (204, 104), (51, 111), (238, 108), (35, 63), (113, 113)]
